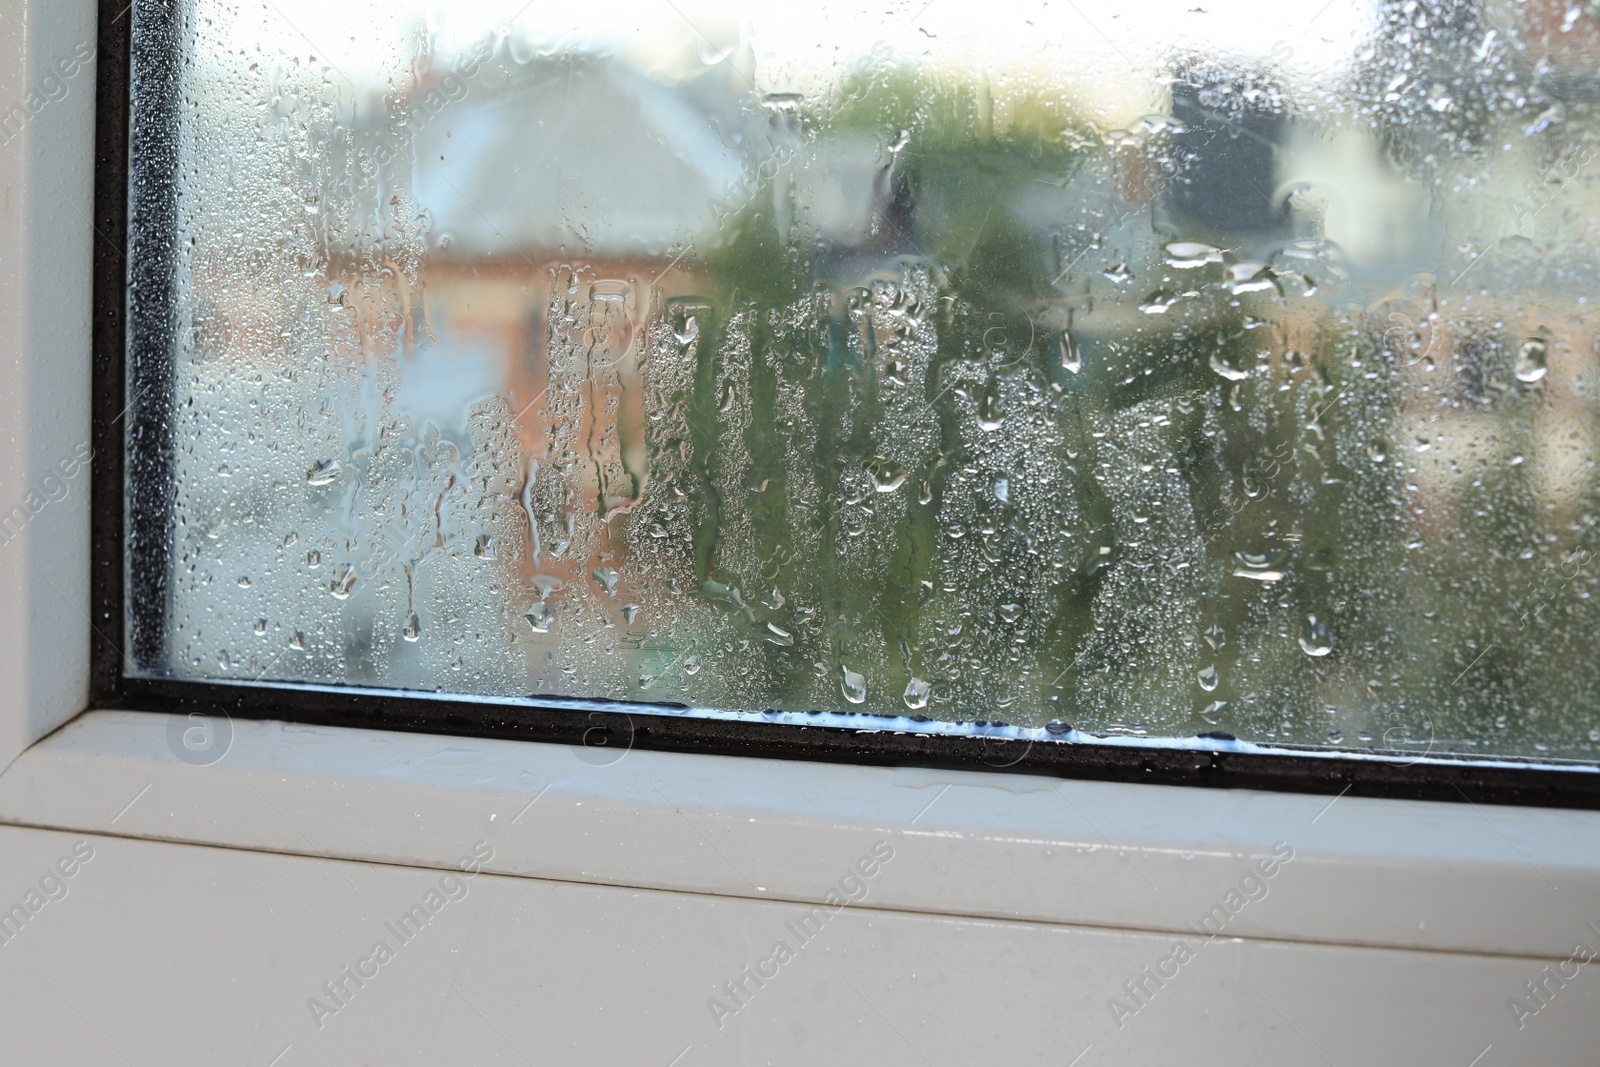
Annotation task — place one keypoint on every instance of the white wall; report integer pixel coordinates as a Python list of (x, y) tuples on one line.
[(46, 199)]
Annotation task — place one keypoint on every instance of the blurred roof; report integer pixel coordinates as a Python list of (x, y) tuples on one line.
[(587, 154)]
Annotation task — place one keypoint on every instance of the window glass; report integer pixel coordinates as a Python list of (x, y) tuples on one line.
[(1143, 371)]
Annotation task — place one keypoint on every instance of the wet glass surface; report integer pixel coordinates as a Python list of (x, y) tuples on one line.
[(1157, 371)]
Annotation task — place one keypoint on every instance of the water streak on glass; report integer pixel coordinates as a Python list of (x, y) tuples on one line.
[(1157, 369)]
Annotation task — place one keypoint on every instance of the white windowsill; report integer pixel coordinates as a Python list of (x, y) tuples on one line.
[(1445, 877)]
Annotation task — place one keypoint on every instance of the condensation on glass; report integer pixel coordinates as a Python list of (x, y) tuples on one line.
[(1153, 370)]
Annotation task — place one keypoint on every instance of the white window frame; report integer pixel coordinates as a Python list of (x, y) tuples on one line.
[(1446, 877)]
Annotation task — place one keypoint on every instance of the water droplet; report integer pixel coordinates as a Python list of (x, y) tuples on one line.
[(1532, 360), (779, 636), (344, 580), (630, 612), (1208, 678), (1186, 255), (690, 332), (483, 547), (1158, 302), (1244, 272), (1010, 612), (1056, 726), (539, 617), (323, 472), (1071, 354), (853, 685), (887, 476), (779, 103), (313, 559), (298, 641), (990, 416), (413, 627), (1259, 567), (916, 694), (260, 627), (606, 578), (1334, 737), (1213, 711), (1258, 576), (244, 582), (691, 665), (1002, 490), (1233, 374), (1315, 640), (1215, 636)]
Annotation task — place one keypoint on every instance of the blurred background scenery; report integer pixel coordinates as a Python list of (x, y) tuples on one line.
[(1155, 369)]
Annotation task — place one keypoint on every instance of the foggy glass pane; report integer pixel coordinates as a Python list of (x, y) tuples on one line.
[(1151, 370)]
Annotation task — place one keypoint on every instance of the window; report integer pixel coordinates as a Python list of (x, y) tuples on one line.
[(1010, 383)]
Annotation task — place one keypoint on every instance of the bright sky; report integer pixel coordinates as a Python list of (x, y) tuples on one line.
[(1109, 51)]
